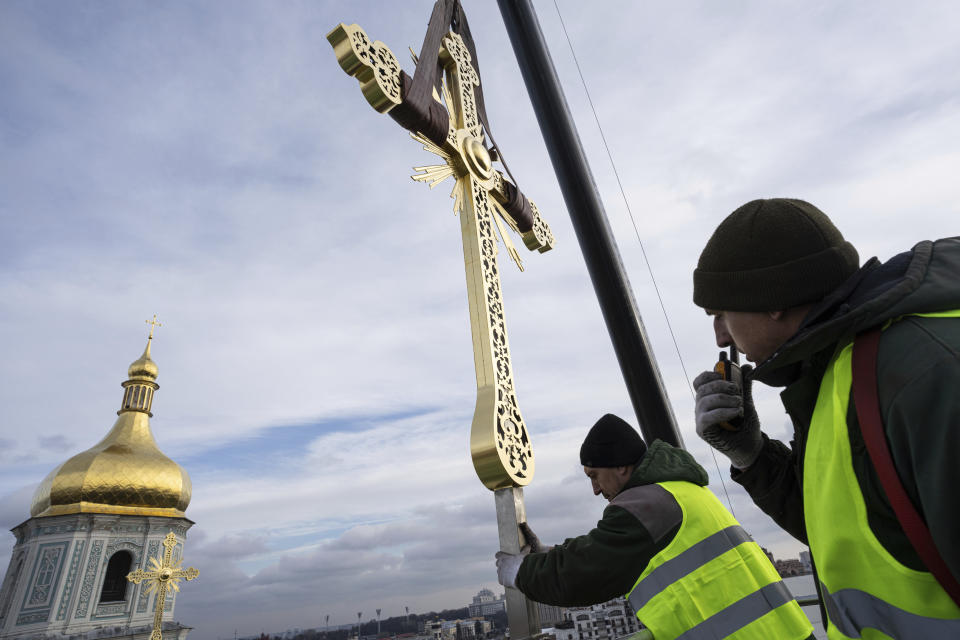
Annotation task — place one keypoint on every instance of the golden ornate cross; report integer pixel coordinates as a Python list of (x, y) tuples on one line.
[(153, 325), (165, 573), (451, 126), (499, 441)]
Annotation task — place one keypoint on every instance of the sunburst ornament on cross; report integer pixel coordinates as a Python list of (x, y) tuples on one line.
[(164, 574)]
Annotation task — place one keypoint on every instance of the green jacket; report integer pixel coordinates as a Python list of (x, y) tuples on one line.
[(918, 375), (606, 562)]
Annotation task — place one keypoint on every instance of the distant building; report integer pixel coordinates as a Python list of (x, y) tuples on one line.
[(612, 619), (789, 567), (486, 603), (473, 628), (470, 629), (433, 629), (561, 631), (549, 614)]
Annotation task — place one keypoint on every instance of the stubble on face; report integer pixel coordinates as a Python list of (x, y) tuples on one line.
[(756, 334), (607, 481)]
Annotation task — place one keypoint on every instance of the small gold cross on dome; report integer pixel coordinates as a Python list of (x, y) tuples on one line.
[(153, 325)]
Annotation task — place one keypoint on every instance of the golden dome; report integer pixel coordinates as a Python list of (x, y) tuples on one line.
[(125, 473), (143, 367)]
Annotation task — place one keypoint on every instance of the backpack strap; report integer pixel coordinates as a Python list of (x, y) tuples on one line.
[(867, 402)]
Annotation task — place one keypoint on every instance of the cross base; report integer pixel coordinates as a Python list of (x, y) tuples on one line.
[(523, 617)]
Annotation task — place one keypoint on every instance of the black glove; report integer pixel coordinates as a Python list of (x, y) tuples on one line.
[(720, 401), (532, 540)]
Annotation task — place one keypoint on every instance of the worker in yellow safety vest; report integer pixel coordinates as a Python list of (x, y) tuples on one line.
[(687, 567), (869, 358)]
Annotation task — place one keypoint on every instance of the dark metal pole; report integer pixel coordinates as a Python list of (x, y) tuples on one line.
[(640, 371)]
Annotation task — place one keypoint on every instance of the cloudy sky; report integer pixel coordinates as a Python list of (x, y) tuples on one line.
[(211, 163)]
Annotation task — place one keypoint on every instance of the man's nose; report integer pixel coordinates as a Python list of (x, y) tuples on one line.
[(720, 329), (596, 488)]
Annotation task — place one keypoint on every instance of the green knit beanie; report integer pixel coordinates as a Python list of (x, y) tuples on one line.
[(771, 255)]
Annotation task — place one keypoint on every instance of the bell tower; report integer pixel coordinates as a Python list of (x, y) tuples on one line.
[(95, 518)]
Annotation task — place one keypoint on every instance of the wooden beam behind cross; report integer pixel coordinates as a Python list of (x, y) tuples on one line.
[(165, 573), (499, 441)]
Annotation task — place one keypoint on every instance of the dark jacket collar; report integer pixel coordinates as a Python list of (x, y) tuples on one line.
[(924, 279)]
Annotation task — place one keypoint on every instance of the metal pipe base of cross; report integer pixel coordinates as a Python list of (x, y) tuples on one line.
[(523, 618)]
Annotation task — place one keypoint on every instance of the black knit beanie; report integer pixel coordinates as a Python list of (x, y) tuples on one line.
[(611, 442), (771, 255)]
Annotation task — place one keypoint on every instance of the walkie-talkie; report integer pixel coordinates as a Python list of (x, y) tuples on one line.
[(729, 369)]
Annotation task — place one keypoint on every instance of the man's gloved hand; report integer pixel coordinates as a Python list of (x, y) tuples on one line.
[(532, 540), (508, 564), (719, 401)]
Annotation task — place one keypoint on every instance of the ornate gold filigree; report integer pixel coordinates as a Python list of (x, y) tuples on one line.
[(372, 63), (499, 440), (165, 574)]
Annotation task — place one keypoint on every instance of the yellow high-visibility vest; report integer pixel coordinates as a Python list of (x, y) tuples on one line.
[(868, 594), (713, 581)]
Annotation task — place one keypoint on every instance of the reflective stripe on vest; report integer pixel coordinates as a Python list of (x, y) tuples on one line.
[(851, 610), (712, 581), (867, 592), (750, 608), (687, 562)]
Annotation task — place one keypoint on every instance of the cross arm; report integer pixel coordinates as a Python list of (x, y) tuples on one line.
[(522, 214), (138, 576), (385, 85), (187, 574), (388, 90)]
